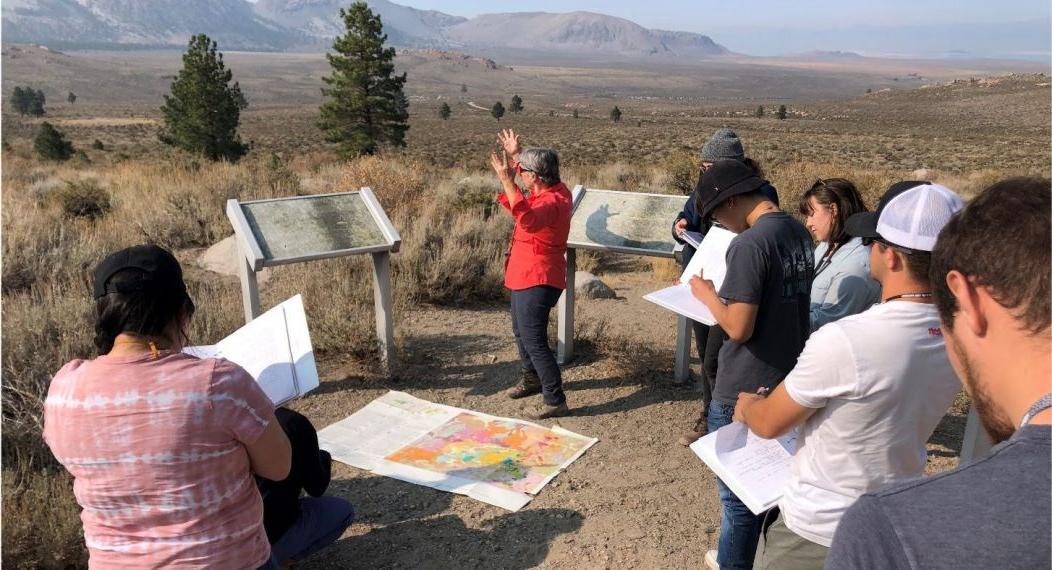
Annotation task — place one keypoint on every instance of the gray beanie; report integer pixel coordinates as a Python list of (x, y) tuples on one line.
[(723, 144)]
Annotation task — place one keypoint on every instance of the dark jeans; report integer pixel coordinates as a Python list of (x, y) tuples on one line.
[(529, 320), (714, 338), (739, 528), (322, 520)]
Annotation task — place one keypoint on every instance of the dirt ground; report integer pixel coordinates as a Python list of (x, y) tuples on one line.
[(636, 499)]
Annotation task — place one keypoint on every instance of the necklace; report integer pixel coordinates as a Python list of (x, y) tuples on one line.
[(923, 295), (1039, 406), (141, 344)]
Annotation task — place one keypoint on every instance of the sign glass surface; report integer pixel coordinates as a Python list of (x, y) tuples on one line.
[(607, 219), (303, 227)]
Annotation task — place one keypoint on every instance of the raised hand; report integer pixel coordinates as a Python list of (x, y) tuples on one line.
[(505, 171), (510, 141)]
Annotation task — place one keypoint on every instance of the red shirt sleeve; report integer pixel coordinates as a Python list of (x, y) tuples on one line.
[(502, 199)]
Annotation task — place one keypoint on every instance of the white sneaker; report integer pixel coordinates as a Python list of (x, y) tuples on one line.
[(710, 560)]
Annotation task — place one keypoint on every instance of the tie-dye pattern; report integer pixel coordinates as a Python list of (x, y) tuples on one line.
[(157, 450)]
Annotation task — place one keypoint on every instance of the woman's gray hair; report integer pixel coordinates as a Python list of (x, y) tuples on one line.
[(544, 162)]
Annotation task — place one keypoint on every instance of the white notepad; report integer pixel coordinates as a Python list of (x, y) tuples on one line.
[(711, 257), (756, 469), (274, 348)]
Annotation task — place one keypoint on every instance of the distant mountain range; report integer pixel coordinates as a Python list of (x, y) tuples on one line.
[(310, 25)]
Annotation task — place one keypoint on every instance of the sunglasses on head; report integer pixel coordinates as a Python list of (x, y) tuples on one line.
[(818, 183), (520, 169), (868, 241)]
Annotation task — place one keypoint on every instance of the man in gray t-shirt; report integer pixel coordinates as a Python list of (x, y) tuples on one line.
[(769, 265), (764, 308)]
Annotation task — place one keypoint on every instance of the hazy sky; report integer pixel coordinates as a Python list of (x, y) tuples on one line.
[(711, 15)]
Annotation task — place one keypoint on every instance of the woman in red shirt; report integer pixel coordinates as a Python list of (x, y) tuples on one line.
[(535, 269)]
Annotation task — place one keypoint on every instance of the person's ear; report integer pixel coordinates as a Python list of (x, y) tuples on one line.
[(887, 257), (833, 210), (969, 308)]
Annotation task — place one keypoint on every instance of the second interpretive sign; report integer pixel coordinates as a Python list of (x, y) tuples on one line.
[(627, 222)]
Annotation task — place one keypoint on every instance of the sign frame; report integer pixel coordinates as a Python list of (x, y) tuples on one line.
[(251, 260), (565, 325)]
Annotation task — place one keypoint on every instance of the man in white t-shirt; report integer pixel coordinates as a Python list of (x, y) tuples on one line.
[(868, 390)]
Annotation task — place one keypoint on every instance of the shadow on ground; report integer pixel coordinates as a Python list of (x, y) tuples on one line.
[(407, 523)]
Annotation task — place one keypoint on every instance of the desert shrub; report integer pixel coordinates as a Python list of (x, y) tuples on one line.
[(476, 194), (84, 198), (682, 171), (51, 144), (97, 145), (451, 256)]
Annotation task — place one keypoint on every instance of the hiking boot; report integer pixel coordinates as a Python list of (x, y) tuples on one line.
[(710, 560), (544, 411), (529, 384), (701, 427)]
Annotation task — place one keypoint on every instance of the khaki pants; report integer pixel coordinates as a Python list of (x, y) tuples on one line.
[(783, 549)]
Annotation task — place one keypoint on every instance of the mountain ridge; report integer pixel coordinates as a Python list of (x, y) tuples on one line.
[(311, 25)]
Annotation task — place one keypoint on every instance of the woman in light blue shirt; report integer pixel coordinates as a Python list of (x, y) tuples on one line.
[(842, 285)]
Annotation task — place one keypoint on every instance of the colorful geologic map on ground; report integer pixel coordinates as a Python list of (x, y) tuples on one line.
[(514, 455)]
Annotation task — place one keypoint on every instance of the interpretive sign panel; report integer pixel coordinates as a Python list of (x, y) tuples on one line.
[(628, 222), (305, 228), (308, 227)]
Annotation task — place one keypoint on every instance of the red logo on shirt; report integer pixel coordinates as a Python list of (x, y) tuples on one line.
[(935, 331)]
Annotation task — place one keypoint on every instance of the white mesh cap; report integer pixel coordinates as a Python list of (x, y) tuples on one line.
[(914, 218)]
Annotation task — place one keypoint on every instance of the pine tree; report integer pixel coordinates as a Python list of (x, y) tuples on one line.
[(366, 106), (781, 113), (575, 115), (202, 113), (444, 111), (36, 101), (20, 100), (516, 104), (51, 144), (72, 97), (463, 87), (615, 114), (498, 110), (759, 112)]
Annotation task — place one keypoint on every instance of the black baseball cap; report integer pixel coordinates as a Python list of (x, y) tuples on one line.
[(722, 180), (161, 272)]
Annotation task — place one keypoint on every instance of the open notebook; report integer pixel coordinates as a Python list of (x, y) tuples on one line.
[(756, 469), (275, 348), (711, 256)]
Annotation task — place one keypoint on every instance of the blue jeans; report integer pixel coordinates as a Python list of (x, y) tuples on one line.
[(529, 321), (739, 528), (322, 520)]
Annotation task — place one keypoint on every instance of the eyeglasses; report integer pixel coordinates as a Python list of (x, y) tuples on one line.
[(868, 241), (520, 169)]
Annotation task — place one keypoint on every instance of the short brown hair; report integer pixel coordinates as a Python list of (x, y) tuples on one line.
[(1001, 240)]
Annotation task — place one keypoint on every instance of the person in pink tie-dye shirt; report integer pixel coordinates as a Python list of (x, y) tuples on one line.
[(162, 445)]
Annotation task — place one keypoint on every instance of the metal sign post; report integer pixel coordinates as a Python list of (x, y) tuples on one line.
[(282, 231)]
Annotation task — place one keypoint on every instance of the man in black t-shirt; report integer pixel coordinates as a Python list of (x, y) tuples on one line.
[(764, 308), (990, 276)]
